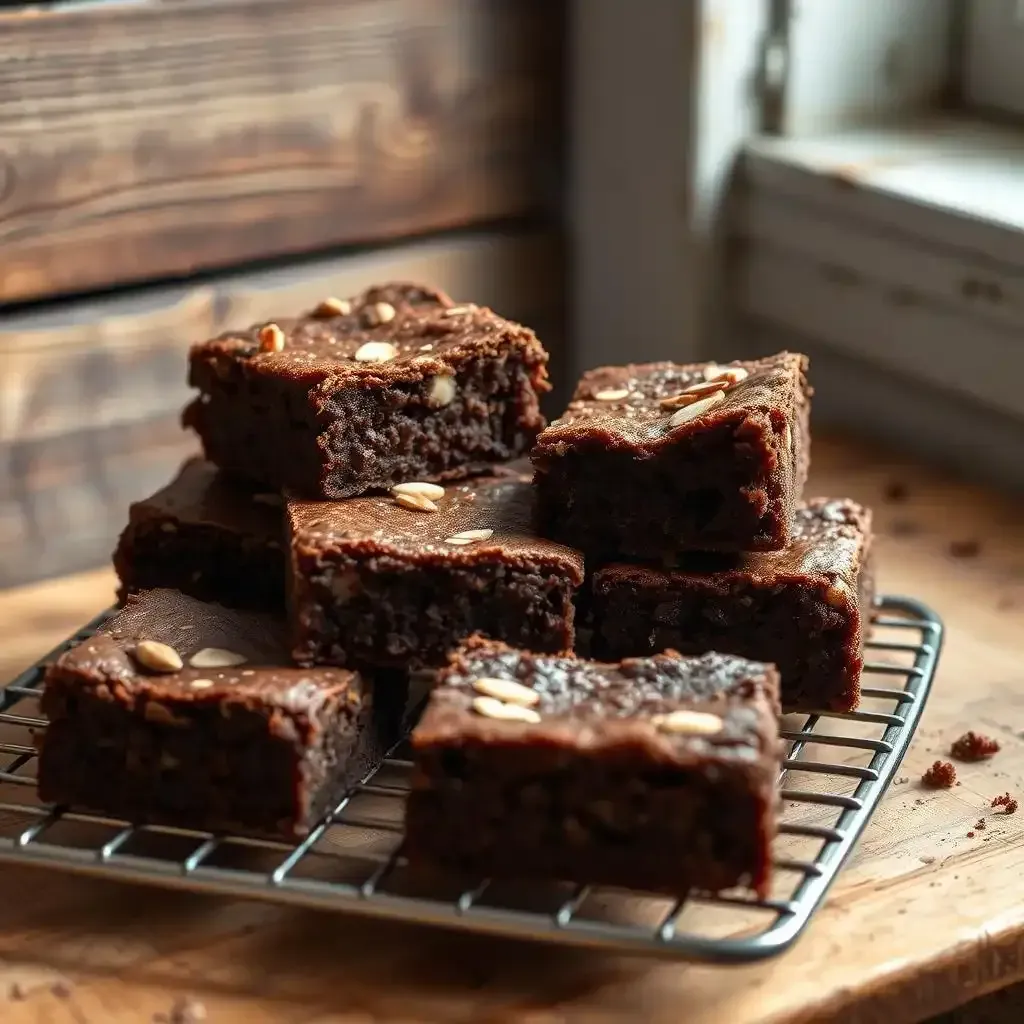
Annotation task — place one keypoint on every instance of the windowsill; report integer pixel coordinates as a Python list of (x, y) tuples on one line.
[(896, 254), (951, 180)]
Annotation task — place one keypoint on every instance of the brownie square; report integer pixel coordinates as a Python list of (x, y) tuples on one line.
[(207, 536), (400, 580), (805, 609), (188, 714), (652, 460), (395, 384), (656, 773)]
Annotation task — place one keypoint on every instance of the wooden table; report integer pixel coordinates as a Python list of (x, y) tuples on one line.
[(923, 919)]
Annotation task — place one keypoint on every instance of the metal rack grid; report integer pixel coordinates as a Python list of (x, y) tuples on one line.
[(353, 861)]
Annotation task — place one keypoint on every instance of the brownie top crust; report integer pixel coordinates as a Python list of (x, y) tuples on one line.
[(485, 520), (388, 334), (830, 541), (224, 655), (201, 494), (646, 406), (716, 706)]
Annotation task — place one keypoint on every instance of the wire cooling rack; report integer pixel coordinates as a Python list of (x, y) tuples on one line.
[(837, 769)]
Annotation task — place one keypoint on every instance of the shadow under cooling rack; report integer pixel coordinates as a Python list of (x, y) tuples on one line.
[(837, 769)]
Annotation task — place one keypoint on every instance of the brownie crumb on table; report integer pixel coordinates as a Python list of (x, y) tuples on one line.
[(655, 773), (896, 491), (209, 537), (189, 714), (806, 609), (973, 746), (398, 383), (654, 459), (1006, 802), (399, 580), (941, 775)]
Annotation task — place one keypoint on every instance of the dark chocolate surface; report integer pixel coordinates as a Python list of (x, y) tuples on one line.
[(201, 495), (638, 421), (431, 334), (500, 503), (190, 626), (606, 703)]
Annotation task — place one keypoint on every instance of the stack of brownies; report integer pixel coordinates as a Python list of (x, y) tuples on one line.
[(364, 518)]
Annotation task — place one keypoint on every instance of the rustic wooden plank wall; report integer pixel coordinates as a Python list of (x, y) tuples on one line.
[(262, 154), (143, 140)]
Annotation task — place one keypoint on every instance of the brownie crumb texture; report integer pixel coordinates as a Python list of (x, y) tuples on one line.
[(1006, 802), (941, 775), (973, 746)]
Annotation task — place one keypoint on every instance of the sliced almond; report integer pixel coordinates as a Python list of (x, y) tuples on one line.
[(726, 374), (491, 708), (693, 723), (420, 488), (379, 313), (415, 502), (332, 307), (157, 657), (216, 657), (692, 412), (678, 401), (836, 596), (705, 387), (441, 391), (458, 310), (271, 338), (201, 684), (375, 352), (507, 690), (468, 536), (611, 395)]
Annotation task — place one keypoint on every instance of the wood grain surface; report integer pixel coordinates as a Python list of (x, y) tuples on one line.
[(152, 139), (91, 390), (922, 920)]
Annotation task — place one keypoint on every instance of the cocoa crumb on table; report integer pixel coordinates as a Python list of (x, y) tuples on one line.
[(973, 746), (896, 490), (964, 548), (970, 835), (1005, 801), (941, 775), (980, 824), (904, 528)]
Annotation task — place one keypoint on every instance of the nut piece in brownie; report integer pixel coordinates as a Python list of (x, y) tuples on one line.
[(649, 461), (656, 773), (400, 580), (189, 714), (395, 384), (208, 537), (805, 609)]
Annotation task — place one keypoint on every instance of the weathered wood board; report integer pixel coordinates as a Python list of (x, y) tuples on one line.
[(147, 140), (923, 919)]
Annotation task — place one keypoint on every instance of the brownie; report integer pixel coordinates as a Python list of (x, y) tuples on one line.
[(655, 773), (400, 580), (395, 384), (805, 609), (652, 460), (235, 740), (208, 537)]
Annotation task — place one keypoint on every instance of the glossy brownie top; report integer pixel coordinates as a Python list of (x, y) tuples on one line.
[(831, 537), (200, 494), (645, 406), (485, 520), (388, 333), (225, 655), (713, 707)]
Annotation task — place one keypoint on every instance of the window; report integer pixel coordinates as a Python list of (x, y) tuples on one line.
[(881, 223)]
